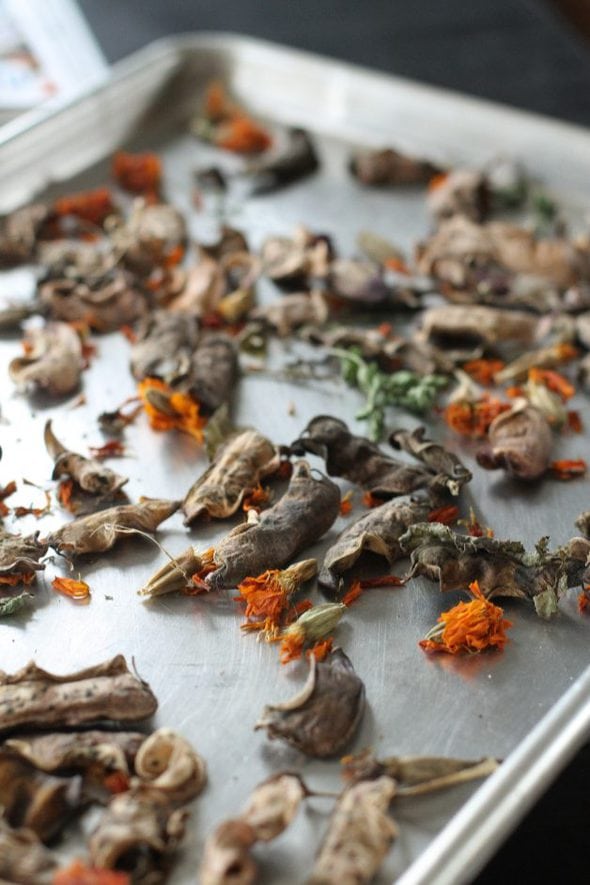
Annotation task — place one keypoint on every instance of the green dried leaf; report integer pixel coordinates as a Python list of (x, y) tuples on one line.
[(546, 604), (12, 605)]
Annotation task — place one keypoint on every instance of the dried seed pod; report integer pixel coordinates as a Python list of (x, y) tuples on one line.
[(449, 473), (417, 774), (19, 233), (452, 326), (461, 192), (204, 287), (291, 261), (164, 346), (273, 805), (322, 719), (226, 856), (213, 372), (12, 315), (78, 750), (304, 513), (34, 698), (167, 763), (20, 556), (90, 475), (175, 575), (362, 462), (35, 800), (519, 441), (293, 311), (460, 244), (237, 468), (583, 523), (230, 241), (104, 304), (360, 834), (269, 811), (359, 282), (544, 358), (148, 236), (98, 532), (53, 363), (387, 167), (378, 531), (138, 830), (297, 160), (23, 858), (501, 568)]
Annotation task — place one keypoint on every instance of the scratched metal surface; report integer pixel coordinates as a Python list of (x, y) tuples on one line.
[(211, 681)]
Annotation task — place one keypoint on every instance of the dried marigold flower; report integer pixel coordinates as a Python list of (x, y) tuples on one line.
[(168, 409), (268, 595), (469, 627), (446, 515), (138, 173), (91, 206), (75, 589), (79, 874), (568, 468), (311, 627), (483, 370), (242, 136), (473, 419)]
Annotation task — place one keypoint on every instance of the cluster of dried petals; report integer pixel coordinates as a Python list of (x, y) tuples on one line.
[(168, 409), (469, 627)]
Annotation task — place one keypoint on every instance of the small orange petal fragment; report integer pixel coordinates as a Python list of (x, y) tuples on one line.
[(574, 422), (117, 782), (369, 500), (353, 593), (91, 206), (483, 370), (446, 515), (321, 649), (78, 590), (568, 468), (346, 504)]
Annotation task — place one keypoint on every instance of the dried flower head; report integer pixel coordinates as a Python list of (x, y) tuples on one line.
[(469, 627)]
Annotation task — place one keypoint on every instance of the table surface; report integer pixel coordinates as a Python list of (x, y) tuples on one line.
[(514, 51)]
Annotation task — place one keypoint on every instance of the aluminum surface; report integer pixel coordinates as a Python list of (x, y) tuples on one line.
[(211, 681)]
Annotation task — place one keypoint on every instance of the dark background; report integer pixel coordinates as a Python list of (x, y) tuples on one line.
[(521, 52)]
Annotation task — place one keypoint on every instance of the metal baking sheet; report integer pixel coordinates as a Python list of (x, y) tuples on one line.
[(530, 705)]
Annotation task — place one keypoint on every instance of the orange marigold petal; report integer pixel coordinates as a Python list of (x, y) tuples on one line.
[(117, 782), (353, 593), (138, 173), (446, 515), (569, 468), (321, 649), (469, 627), (78, 590), (483, 370), (291, 647)]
